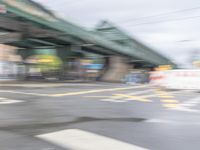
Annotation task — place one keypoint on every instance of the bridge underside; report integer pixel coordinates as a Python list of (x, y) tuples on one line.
[(36, 27), (28, 32)]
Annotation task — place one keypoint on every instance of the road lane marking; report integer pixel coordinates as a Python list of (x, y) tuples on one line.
[(139, 92), (95, 91), (169, 101), (119, 98), (125, 98), (186, 109), (25, 93), (4, 101), (98, 96), (177, 122), (161, 93), (193, 102), (76, 139), (166, 96), (160, 121), (113, 100), (170, 105), (149, 96), (72, 93), (136, 98), (187, 106), (48, 85)]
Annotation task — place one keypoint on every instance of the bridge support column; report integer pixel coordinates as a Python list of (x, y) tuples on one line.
[(116, 68)]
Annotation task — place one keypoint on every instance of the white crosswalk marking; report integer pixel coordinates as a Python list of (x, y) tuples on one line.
[(8, 101), (185, 92), (187, 106), (25, 93), (186, 109), (75, 139), (140, 92), (113, 100)]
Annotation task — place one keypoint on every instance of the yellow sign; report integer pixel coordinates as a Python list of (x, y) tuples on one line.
[(164, 67)]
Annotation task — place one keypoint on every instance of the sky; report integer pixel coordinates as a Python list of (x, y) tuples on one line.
[(170, 27)]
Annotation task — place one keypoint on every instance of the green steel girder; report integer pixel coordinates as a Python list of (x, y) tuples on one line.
[(42, 42), (30, 43), (76, 31), (24, 44), (28, 30)]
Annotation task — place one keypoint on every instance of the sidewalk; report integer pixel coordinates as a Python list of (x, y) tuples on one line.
[(42, 84)]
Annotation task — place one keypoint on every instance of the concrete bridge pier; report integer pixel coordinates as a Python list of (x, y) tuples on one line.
[(116, 68)]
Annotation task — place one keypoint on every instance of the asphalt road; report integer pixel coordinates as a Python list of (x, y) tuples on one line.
[(98, 116)]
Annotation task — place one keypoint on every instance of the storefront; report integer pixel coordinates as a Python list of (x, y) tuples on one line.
[(9, 61)]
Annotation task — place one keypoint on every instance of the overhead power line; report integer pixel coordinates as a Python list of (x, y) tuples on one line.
[(162, 14), (161, 21)]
